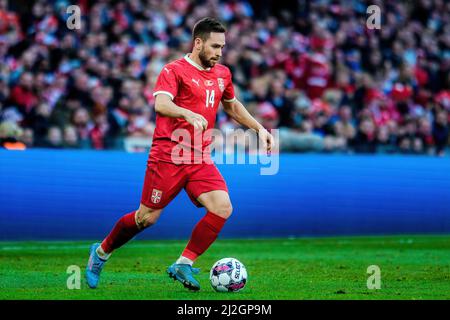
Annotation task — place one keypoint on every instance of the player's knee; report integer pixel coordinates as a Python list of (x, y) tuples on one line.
[(224, 210), (146, 218)]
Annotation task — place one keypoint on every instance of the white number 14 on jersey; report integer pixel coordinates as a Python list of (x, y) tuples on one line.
[(210, 98)]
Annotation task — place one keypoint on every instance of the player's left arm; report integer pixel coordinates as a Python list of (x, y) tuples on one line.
[(236, 110)]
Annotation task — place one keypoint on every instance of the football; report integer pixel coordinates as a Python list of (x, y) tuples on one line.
[(228, 275)]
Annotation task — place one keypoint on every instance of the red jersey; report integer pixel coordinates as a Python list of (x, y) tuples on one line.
[(195, 88)]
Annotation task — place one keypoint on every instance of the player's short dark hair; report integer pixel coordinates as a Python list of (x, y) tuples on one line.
[(204, 27)]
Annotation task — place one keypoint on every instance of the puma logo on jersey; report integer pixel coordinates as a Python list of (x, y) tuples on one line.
[(196, 82), (167, 70)]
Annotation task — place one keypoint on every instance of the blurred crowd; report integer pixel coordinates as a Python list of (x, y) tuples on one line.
[(312, 69)]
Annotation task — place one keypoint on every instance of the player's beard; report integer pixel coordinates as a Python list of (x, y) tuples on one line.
[(207, 63)]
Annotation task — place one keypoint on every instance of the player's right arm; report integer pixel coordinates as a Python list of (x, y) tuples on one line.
[(166, 107), (166, 89)]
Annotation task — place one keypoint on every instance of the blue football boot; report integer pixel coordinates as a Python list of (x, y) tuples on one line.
[(94, 267), (184, 273)]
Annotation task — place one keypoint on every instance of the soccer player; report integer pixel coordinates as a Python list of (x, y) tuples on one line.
[(188, 93)]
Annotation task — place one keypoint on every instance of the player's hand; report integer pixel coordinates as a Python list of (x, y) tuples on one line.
[(198, 121), (266, 139)]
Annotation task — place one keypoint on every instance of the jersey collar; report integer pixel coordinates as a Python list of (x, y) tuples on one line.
[(192, 62)]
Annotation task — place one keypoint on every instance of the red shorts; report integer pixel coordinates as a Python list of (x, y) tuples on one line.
[(164, 180)]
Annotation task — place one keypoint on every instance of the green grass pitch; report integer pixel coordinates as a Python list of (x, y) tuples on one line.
[(412, 267)]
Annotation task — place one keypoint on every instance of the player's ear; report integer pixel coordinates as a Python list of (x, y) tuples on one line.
[(198, 44)]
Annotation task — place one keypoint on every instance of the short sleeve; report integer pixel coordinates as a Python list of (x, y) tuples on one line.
[(166, 83), (228, 93)]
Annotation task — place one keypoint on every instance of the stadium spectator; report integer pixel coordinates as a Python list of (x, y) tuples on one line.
[(344, 128), (39, 121), (70, 137), (365, 139), (81, 120), (441, 132), (23, 95), (54, 138), (334, 84)]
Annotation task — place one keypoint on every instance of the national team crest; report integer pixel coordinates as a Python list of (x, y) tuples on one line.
[(221, 84), (156, 195)]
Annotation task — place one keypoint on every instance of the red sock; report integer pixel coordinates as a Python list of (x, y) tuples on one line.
[(203, 235), (124, 230)]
